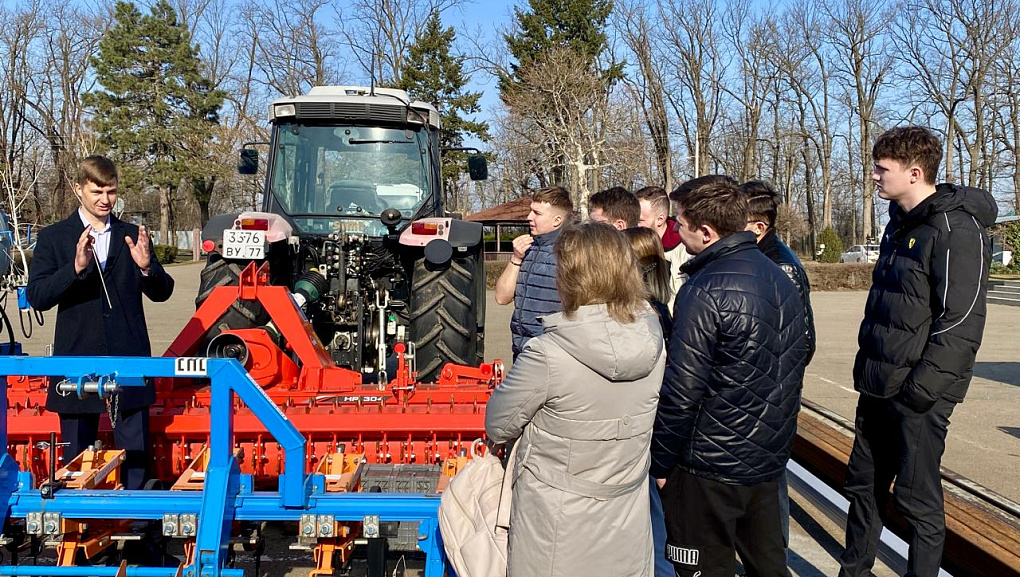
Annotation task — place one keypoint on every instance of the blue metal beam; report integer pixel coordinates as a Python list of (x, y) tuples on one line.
[(217, 514), (226, 495), (293, 492), (8, 478), (259, 506)]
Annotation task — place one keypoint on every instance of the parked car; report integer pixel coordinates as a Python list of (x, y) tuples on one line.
[(863, 253)]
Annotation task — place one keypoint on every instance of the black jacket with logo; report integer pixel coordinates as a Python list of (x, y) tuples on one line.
[(731, 393), (781, 254), (926, 310)]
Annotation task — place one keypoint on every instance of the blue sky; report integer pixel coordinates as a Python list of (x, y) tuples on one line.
[(483, 17)]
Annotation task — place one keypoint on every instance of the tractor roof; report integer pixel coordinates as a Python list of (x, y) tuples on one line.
[(355, 103)]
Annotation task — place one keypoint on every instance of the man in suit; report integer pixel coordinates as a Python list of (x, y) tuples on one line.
[(94, 268)]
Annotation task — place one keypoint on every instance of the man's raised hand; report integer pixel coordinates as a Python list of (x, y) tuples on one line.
[(83, 251), (140, 250), (521, 245)]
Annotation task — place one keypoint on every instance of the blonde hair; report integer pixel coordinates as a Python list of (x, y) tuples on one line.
[(652, 261), (595, 265)]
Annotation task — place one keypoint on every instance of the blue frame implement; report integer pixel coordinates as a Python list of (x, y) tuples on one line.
[(227, 495)]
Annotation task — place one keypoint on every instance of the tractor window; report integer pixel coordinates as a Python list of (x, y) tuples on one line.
[(350, 171)]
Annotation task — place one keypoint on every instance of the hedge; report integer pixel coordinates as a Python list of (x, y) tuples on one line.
[(165, 253), (833, 246), (839, 277)]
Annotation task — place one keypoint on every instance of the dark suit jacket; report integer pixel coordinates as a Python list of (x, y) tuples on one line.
[(86, 325)]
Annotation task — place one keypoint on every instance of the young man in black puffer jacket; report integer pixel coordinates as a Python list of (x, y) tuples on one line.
[(730, 396), (922, 327), (762, 208)]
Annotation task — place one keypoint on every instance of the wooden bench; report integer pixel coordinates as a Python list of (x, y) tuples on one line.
[(982, 528)]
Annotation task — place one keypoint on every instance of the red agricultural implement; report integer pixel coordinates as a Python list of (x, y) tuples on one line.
[(400, 422), (361, 337)]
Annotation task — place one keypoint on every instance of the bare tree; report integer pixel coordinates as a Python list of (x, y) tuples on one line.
[(20, 30), (790, 223), (56, 87), (749, 33), (691, 48), (803, 56), (949, 50), (15, 196), (647, 85), (863, 65), (629, 158), (292, 49), (515, 168), (560, 96), (229, 56), (1008, 73), (379, 32)]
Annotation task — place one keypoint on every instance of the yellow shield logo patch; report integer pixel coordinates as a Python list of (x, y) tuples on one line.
[(911, 243)]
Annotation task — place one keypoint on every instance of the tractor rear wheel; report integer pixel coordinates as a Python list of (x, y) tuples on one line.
[(444, 314), (240, 314), (481, 296)]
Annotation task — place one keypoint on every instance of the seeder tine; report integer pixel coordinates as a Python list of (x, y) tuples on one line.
[(341, 471), (93, 470), (193, 478)]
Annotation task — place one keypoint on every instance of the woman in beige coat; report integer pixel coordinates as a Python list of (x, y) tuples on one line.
[(582, 398)]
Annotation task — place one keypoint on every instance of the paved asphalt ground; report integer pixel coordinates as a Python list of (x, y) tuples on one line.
[(984, 438)]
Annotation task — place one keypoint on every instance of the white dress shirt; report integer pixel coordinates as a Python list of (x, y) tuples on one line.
[(101, 247)]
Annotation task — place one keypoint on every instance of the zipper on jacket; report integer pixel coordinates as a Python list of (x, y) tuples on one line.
[(889, 264), (894, 240)]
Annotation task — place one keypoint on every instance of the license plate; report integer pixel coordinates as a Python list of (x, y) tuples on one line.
[(244, 244)]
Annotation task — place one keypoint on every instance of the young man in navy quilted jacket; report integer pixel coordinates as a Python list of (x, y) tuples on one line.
[(921, 331), (529, 279), (730, 396)]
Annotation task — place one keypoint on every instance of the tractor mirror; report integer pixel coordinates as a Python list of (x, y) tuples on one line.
[(478, 167), (248, 161)]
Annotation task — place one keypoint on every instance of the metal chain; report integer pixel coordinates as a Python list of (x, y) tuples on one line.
[(113, 408)]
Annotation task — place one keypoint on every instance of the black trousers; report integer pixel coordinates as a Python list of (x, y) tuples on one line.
[(894, 442), (79, 430), (708, 523)]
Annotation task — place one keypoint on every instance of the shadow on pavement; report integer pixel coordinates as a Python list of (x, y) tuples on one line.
[(1015, 431), (801, 567), (1005, 372), (825, 540)]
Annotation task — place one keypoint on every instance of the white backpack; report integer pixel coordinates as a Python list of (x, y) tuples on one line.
[(474, 516)]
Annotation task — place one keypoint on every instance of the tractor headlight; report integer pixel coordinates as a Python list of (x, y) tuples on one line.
[(284, 110)]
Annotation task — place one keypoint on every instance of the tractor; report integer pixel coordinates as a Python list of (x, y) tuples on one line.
[(354, 306), (353, 222)]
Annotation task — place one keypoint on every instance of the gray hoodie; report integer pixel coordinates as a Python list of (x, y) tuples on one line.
[(582, 399)]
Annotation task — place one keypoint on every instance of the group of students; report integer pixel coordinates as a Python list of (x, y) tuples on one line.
[(659, 363)]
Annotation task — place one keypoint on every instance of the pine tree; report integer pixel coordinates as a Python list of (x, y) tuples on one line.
[(157, 111), (549, 34), (575, 24), (833, 246), (431, 73)]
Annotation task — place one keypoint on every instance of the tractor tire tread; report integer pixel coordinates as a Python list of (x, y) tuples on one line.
[(241, 314), (442, 315)]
